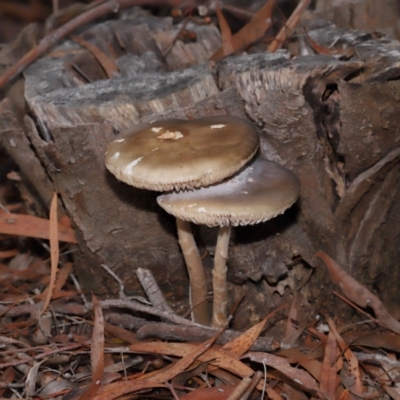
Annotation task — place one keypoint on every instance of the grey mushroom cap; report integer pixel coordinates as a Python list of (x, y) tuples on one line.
[(258, 192), (178, 154)]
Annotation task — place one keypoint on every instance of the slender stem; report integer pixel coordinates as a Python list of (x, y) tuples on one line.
[(220, 287), (197, 277)]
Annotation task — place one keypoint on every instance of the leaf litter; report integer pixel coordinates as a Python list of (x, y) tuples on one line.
[(55, 343), (84, 357)]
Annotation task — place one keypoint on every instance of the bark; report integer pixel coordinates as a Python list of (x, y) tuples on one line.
[(334, 122), (370, 15)]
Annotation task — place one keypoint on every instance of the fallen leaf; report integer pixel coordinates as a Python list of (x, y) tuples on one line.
[(292, 331), (97, 352), (226, 34), (7, 377), (374, 340), (28, 225), (108, 64), (329, 377), (54, 251), (309, 363), (214, 393), (272, 394), (117, 389), (251, 32), (352, 367), (301, 377), (9, 253), (121, 333), (31, 378), (180, 366), (213, 356), (358, 293), (393, 392), (346, 52), (238, 346)]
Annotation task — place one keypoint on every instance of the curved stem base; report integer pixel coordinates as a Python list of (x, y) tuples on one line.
[(220, 287), (197, 276)]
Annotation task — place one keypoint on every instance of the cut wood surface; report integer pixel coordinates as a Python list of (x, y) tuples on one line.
[(332, 119)]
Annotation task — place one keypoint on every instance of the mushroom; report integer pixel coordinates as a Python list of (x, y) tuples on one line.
[(258, 192), (178, 154)]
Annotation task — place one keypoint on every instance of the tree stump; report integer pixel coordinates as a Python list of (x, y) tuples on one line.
[(332, 119)]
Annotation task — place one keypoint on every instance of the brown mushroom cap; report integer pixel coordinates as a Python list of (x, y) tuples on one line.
[(258, 192), (178, 154)]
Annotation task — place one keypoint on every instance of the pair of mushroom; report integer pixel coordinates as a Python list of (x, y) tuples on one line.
[(204, 164)]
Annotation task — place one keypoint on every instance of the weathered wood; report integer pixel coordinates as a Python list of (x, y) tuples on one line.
[(369, 15), (335, 122)]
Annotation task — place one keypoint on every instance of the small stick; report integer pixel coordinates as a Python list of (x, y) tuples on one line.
[(164, 331), (122, 287), (254, 382), (136, 306), (152, 290), (289, 26), (111, 6), (117, 279), (50, 40), (240, 389)]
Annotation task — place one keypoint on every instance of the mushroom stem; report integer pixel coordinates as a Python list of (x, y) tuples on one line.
[(220, 287), (197, 277)]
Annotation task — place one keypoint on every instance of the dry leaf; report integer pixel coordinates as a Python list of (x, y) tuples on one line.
[(121, 333), (54, 250), (301, 377), (9, 253), (97, 352), (254, 30), (226, 34), (211, 393), (108, 64), (310, 364), (358, 293), (352, 368), (292, 331), (173, 370), (238, 346), (27, 225), (7, 377), (117, 389), (213, 356), (374, 340), (329, 377)]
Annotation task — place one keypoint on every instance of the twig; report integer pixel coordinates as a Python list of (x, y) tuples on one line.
[(32, 309), (289, 26), (240, 388), (254, 382), (164, 331), (122, 287), (152, 290), (71, 346), (50, 40), (172, 390), (7, 385), (380, 358), (79, 289), (138, 307), (117, 279)]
